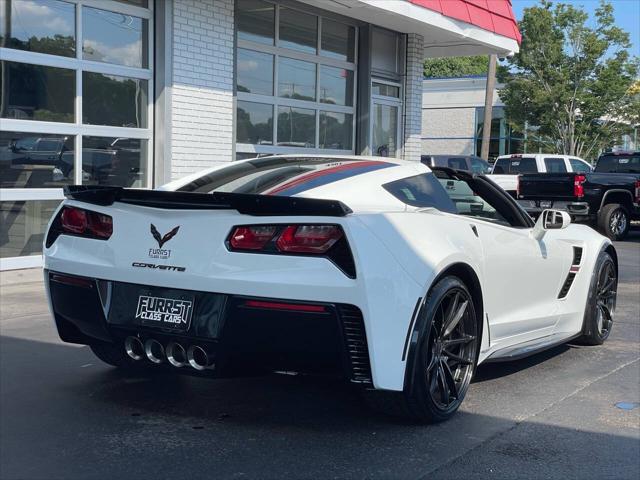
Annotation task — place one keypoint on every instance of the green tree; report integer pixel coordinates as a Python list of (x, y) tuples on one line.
[(571, 81), (455, 66)]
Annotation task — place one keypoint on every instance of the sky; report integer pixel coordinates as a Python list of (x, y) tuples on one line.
[(627, 14)]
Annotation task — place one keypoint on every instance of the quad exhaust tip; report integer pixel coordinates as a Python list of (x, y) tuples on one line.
[(194, 356), (154, 350), (134, 348), (198, 358), (176, 354)]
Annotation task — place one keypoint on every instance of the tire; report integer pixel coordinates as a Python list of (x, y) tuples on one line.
[(115, 355), (433, 392), (601, 302), (614, 221)]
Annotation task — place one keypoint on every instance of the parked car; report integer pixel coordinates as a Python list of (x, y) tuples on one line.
[(394, 276), (507, 167), (470, 163), (608, 198)]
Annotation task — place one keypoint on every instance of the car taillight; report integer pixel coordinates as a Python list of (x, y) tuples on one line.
[(578, 188), (637, 192), (320, 240), (308, 238), (77, 221), (252, 237)]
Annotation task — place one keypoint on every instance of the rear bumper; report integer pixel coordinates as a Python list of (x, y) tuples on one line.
[(244, 335), (576, 209)]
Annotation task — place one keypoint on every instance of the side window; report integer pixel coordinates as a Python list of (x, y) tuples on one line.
[(523, 165), (469, 203), (457, 163), (501, 166), (422, 191), (555, 165), (479, 166), (579, 166)]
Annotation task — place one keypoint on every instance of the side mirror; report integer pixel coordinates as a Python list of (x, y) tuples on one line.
[(550, 220)]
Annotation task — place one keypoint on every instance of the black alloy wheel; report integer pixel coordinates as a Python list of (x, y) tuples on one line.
[(441, 360), (452, 350), (601, 302)]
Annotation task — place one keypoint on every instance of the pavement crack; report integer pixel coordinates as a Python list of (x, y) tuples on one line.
[(517, 423)]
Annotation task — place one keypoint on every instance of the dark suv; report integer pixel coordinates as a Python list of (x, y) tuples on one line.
[(470, 163)]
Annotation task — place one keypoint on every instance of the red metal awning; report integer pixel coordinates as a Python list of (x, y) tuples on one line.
[(493, 15)]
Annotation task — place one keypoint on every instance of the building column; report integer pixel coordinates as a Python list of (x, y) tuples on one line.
[(202, 103), (413, 98)]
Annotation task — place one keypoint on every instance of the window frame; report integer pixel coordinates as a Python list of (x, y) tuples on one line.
[(79, 65), (318, 60)]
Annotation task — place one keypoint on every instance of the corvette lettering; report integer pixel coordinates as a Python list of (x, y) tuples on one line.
[(163, 310), (171, 268)]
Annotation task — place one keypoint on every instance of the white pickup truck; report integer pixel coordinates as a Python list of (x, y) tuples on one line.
[(507, 167)]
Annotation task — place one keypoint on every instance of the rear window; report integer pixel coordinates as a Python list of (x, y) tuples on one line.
[(458, 163), (282, 176), (555, 165), (619, 164), (514, 166), (424, 191)]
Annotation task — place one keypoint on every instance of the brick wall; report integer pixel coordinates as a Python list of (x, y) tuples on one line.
[(413, 98), (202, 91), (448, 130)]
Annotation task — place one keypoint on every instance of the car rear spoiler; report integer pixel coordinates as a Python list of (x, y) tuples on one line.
[(257, 205)]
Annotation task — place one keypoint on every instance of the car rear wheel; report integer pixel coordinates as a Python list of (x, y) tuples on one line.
[(443, 361), (601, 302), (614, 221)]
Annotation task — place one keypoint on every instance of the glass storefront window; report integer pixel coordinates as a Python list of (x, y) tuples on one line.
[(34, 92), (44, 26), (254, 123), (336, 85), (336, 130), (296, 127), (385, 90), (296, 79), (385, 130), (255, 72), (114, 161), (114, 100), (113, 37), (338, 40), (298, 30), (30, 160), (23, 226), (256, 21)]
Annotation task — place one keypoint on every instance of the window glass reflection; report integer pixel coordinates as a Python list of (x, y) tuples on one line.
[(45, 26), (336, 130), (296, 127), (255, 72), (296, 79), (23, 226), (385, 90), (255, 123), (34, 92), (256, 21), (114, 38), (385, 130), (114, 161), (336, 86), (338, 40), (33, 160), (114, 100), (298, 30)]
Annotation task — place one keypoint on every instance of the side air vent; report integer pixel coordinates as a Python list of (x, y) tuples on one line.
[(577, 255), (356, 343), (575, 268)]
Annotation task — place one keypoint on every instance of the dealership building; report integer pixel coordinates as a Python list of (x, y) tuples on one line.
[(135, 93)]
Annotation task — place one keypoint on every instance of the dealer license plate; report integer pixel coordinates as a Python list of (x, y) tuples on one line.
[(167, 309)]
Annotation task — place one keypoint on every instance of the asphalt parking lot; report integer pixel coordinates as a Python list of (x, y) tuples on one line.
[(63, 414)]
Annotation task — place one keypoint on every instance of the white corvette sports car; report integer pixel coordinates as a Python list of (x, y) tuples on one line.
[(399, 278)]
